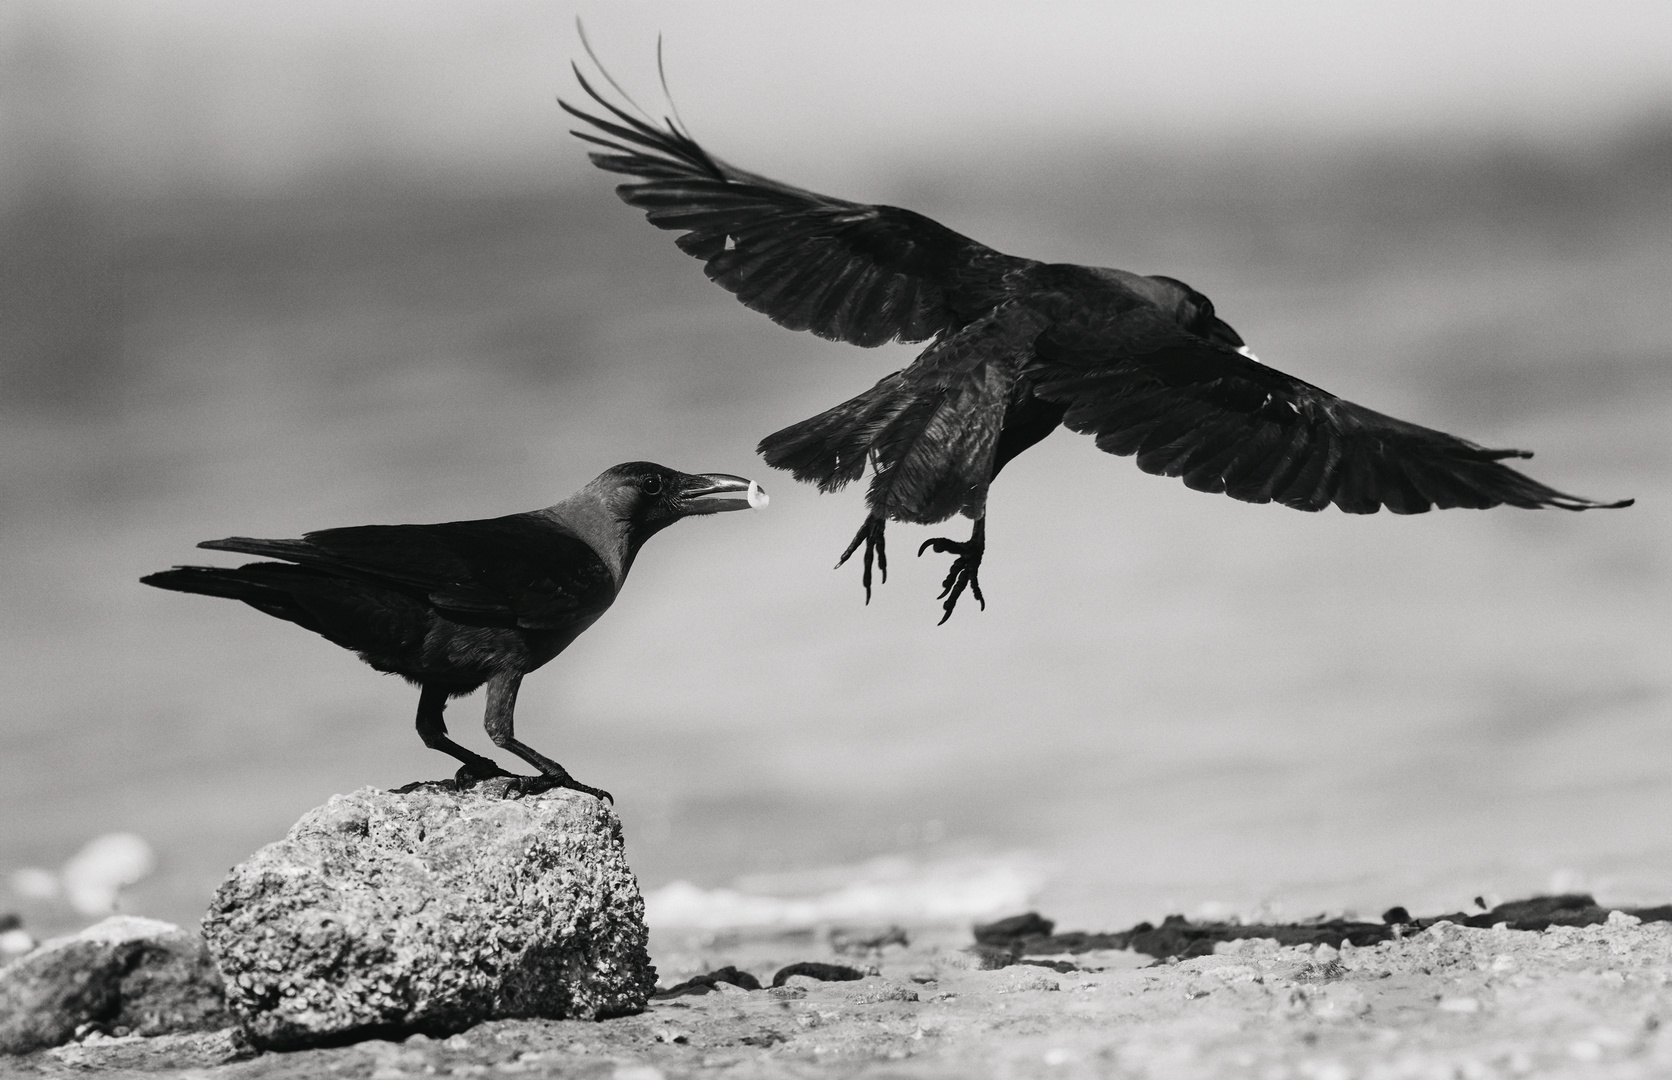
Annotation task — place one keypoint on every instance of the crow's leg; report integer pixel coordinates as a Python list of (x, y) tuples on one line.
[(432, 728), (964, 567), (870, 534), (502, 703)]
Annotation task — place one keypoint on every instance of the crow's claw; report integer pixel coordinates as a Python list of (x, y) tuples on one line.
[(534, 785), (963, 572), (871, 535), (597, 793)]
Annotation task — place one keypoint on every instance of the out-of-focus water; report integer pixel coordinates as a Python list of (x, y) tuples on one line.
[(1172, 698)]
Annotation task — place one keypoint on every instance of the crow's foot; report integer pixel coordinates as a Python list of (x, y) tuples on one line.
[(469, 776), (548, 781), (507, 785), (871, 535), (575, 785), (472, 773), (963, 572)]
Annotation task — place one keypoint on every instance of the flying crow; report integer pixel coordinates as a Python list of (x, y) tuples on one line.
[(452, 606), (1142, 363)]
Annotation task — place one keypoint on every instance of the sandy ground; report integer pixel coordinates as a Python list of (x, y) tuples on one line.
[(1450, 1001)]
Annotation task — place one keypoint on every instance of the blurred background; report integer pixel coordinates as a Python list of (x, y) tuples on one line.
[(272, 267)]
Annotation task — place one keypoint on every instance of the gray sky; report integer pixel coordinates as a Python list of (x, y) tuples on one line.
[(154, 93)]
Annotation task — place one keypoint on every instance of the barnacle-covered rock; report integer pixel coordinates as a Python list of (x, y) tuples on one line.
[(430, 910)]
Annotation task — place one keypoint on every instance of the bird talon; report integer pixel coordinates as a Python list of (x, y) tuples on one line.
[(537, 785), (962, 573), (961, 577), (939, 543), (876, 552), (597, 793)]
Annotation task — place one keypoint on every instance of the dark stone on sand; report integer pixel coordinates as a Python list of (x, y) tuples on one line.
[(1016, 928), (1541, 912), (1659, 913), (1178, 937), (814, 970), (1175, 937), (993, 957), (124, 975), (703, 984), (429, 911)]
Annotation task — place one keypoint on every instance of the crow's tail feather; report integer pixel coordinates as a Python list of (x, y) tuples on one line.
[(263, 586), (831, 449)]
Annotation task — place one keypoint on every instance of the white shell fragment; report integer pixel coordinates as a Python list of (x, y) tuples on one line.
[(757, 496)]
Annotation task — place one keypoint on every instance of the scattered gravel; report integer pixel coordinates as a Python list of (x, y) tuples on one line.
[(1443, 1000)]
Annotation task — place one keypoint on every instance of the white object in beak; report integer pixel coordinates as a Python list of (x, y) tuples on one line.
[(757, 496), (1246, 351)]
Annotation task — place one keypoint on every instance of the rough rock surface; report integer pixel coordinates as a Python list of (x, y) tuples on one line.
[(431, 910), (134, 1053), (137, 976)]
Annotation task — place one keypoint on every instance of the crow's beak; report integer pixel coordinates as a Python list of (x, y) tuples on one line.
[(1220, 332), (705, 494)]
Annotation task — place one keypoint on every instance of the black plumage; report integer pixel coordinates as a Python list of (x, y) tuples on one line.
[(456, 605), (1142, 363)]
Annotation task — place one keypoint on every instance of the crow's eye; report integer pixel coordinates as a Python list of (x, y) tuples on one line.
[(651, 485)]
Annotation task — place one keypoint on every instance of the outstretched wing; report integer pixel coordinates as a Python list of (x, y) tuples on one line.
[(1224, 422), (850, 271), (520, 570)]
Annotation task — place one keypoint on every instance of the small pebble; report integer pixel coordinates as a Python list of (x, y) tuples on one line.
[(803, 983)]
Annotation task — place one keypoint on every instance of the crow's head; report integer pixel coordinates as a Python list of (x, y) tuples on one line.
[(648, 498), (1195, 313)]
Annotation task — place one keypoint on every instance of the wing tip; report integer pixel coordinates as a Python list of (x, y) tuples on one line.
[(1572, 503)]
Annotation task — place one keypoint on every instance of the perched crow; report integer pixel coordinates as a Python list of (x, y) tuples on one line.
[(1143, 363), (455, 605)]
